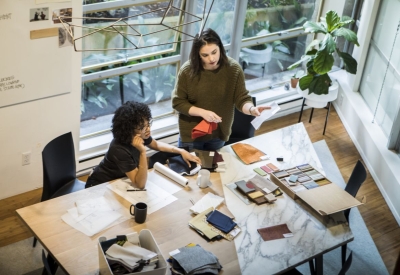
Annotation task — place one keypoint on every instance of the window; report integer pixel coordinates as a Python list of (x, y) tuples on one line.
[(114, 72), (380, 84)]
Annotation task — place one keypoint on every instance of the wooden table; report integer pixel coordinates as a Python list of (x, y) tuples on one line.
[(77, 253)]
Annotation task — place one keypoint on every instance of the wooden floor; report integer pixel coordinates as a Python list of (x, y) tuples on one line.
[(379, 220)]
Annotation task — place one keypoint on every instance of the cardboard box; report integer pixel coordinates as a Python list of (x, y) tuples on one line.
[(325, 199), (146, 241)]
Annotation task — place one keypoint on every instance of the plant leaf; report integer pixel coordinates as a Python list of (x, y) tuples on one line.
[(328, 44), (295, 65), (320, 84), (347, 34), (332, 19), (323, 62), (312, 44), (305, 81), (350, 64), (314, 27)]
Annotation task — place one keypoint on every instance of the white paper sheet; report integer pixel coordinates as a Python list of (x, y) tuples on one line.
[(207, 201), (266, 114), (154, 196), (95, 214)]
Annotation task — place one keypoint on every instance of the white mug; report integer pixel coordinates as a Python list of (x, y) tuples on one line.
[(203, 178)]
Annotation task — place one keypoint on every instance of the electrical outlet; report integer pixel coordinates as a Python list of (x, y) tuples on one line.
[(26, 158)]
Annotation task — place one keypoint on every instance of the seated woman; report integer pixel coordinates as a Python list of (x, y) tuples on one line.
[(127, 153)]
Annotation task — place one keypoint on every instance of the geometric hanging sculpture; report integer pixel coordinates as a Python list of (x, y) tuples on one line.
[(131, 28)]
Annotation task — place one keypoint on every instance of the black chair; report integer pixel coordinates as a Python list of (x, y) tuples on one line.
[(59, 169), (357, 177), (241, 127), (50, 266)]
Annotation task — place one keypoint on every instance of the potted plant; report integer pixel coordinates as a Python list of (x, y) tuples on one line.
[(295, 78), (319, 54)]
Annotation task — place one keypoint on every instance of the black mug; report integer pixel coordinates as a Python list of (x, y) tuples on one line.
[(139, 211)]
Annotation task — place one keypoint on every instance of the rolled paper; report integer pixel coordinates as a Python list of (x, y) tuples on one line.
[(170, 174)]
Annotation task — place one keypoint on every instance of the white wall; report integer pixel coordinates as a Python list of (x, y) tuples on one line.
[(30, 126), (383, 164)]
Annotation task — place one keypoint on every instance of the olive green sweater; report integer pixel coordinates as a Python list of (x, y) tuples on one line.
[(219, 91)]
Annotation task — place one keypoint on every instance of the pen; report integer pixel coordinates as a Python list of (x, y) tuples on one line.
[(128, 190)]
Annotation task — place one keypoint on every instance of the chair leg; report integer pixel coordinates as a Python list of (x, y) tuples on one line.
[(312, 112), (301, 111), (326, 119), (34, 242), (344, 250)]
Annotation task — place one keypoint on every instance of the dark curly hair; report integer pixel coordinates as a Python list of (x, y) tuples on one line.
[(128, 118), (208, 36)]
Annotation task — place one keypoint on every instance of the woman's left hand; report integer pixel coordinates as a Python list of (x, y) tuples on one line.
[(189, 157), (256, 111)]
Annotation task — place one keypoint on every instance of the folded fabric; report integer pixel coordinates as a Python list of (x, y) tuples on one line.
[(247, 153), (130, 253), (196, 258), (207, 159), (203, 128), (179, 165), (221, 221)]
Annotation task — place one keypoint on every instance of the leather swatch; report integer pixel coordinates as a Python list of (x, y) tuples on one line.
[(203, 128), (247, 153), (274, 232)]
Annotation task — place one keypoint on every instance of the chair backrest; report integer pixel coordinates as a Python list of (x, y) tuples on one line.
[(357, 177), (59, 168), (241, 127)]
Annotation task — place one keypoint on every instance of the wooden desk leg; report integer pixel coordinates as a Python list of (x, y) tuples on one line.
[(319, 265)]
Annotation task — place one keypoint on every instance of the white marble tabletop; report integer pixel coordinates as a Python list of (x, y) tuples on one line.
[(313, 234)]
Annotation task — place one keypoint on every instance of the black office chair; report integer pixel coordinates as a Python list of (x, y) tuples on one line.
[(241, 127), (357, 177), (59, 169), (50, 266)]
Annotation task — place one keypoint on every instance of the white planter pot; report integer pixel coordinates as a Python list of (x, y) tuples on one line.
[(320, 101), (258, 56)]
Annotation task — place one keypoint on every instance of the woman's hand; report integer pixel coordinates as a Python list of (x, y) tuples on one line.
[(189, 157), (211, 116), (256, 111), (138, 143)]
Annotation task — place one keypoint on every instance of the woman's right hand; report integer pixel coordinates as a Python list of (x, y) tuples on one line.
[(211, 116), (138, 143)]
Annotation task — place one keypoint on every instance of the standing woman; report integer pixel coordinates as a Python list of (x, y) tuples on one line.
[(209, 86), (126, 156)]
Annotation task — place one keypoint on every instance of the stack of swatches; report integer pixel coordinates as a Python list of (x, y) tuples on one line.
[(258, 189), (193, 259), (124, 257), (210, 160), (213, 225), (300, 178)]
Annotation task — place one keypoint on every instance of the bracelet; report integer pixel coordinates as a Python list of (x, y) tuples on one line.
[(250, 110)]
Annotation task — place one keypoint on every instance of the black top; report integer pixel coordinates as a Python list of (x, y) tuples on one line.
[(119, 159)]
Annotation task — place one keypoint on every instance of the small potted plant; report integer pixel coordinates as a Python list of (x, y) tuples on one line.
[(295, 78), (319, 54)]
